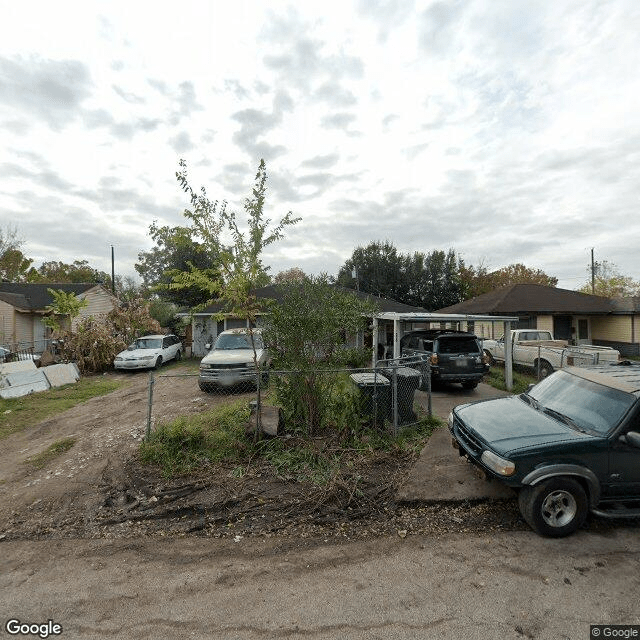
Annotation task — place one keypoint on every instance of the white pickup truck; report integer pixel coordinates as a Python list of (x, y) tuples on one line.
[(538, 349)]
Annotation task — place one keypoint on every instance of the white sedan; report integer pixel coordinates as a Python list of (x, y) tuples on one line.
[(149, 352)]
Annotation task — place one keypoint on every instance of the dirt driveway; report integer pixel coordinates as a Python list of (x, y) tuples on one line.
[(107, 430)]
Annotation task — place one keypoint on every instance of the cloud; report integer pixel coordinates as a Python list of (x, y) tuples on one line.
[(388, 15), (321, 162), (181, 143), (437, 26), (338, 120), (131, 98), (301, 62), (44, 178), (51, 90), (334, 94), (256, 124)]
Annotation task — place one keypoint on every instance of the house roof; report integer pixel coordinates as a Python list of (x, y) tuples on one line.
[(275, 292), (36, 297), (522, 299)]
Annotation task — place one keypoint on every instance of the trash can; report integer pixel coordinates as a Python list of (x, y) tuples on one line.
[(408, 381), (375, 397)]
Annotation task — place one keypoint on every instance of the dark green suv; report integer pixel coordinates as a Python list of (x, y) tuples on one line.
[(570, 445)]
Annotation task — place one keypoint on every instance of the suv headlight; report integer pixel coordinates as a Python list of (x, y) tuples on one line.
[(498, 464)]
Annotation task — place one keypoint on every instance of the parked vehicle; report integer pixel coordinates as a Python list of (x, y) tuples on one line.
[(570, 445), (149, 352), (231, 360), (454, 356), (538, 349)]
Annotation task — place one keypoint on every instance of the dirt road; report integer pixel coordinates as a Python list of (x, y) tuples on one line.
[(510, 586)]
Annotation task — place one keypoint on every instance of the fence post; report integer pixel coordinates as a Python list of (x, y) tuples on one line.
[(258, 433), (149, 405), (429, 408), (395, 398)]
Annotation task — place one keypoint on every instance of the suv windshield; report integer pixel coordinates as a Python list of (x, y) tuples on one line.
[(589, 405), (462, 344), (237, 341)]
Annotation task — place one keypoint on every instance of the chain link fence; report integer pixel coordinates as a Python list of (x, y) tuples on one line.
[(389, 397)]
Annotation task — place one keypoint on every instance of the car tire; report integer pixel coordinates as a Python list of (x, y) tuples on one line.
[(178, 355), (554, 508), (158, 363), (470, 385), (489, 357), (546, 368), (204, 387)]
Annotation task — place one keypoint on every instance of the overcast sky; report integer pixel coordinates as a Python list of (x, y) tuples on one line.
[(508, 130)]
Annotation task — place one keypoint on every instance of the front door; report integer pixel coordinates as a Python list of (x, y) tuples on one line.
[(582, 333)]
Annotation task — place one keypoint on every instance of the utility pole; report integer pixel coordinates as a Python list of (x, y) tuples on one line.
[(113, 273), (593, 274)]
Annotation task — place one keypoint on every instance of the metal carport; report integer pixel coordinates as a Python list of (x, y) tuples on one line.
[(401, 319)]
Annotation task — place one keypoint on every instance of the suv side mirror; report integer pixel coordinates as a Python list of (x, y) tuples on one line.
[(632, 438)]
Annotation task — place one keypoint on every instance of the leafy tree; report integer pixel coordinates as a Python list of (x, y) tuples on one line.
[(14, 266), (240, 265), (295, 274), (9, 239), (65, 307), (610, 283), (428, 280), (377, 269), (176, 251), (432, 280), (126, 289), (306, 334), (132, 319), (79, 271), (478, 280)]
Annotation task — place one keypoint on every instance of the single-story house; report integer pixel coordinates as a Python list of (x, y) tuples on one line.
[(205, 328), (22, 307), (570, 315)]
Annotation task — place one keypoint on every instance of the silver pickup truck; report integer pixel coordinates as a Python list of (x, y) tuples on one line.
[(538, 349)]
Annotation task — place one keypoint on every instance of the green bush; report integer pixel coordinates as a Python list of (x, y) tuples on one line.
[(192, 442)]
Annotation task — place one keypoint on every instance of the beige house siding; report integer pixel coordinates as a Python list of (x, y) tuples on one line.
[(24, 329), (100, 303), (487, 330), (612, 329), (6, 323), (544, 323)]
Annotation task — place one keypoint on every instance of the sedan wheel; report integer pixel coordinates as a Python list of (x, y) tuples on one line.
[(158, 362)]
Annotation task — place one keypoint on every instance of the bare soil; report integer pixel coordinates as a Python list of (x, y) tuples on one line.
[(99, 489)]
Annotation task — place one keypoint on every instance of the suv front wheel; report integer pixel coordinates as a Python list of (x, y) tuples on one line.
[(556, 507)]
